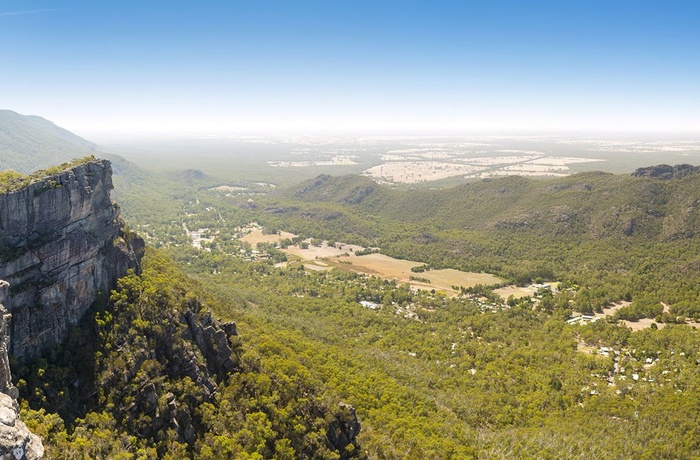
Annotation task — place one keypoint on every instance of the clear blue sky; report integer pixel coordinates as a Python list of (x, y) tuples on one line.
[(309, 66)]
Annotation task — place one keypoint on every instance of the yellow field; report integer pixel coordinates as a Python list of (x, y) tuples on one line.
[(256, 236), (516, 291), (319, 252), (411, 172), (387, 267)]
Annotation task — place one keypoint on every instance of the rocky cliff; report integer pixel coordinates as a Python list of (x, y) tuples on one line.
[(16, 442), (61, 243)]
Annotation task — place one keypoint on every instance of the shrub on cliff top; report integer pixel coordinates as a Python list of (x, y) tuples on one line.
[(11, 180)]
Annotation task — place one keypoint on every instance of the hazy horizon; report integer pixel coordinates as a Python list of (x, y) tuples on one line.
[(392, 68)]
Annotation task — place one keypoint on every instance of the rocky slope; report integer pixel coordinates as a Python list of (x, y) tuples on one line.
[(16, 441), (61, 243)]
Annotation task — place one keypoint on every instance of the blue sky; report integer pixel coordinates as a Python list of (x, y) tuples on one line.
[(353, 66)]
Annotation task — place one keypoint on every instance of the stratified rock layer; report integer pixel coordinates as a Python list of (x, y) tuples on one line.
[(16, 441), (61, 243)]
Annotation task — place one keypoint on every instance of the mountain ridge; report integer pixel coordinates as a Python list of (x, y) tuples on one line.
[(30, 142), (594, 204)]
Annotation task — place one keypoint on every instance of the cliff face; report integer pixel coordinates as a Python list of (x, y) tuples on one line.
[(61, 243), (15, 439)]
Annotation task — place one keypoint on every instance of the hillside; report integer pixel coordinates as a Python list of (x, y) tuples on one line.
[(150, 373), (147, 370), (598, 230), (28, 143), (584, 206)]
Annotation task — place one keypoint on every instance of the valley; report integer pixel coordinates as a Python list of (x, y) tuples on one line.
[(363, 230), (445, 317), (320, 255)]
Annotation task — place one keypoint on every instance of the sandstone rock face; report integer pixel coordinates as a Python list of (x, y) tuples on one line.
[(61, 243), (16, 441), (211, 338)]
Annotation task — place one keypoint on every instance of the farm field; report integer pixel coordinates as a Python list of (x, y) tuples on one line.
[(411, 172), (426, 166), (256, 236), (342, 257), (324, 251), (516, 291)]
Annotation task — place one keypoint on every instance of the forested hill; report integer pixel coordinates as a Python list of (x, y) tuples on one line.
[(621, 236), (586, 206), (28, 143)]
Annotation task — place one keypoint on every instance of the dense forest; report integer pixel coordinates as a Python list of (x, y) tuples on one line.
[(457, 382), (452, 382), (131, 383)]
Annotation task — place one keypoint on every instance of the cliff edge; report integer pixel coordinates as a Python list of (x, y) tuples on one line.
[(62, 242)]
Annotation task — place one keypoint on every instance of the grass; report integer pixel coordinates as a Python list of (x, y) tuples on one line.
[(516, 291)]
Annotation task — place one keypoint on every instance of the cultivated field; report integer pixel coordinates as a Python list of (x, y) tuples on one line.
[(516, 291), (321, 252), (411, 172), (326, 257), (256, 236), (432, 165)]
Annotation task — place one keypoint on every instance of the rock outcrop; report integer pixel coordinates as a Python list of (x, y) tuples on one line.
[(182, 344), (666, 172), (343, 430), (211, 338), (16, 441), (61, 243)]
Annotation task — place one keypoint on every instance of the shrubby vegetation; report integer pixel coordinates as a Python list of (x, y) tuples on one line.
[(128, 384), (452, 381)]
